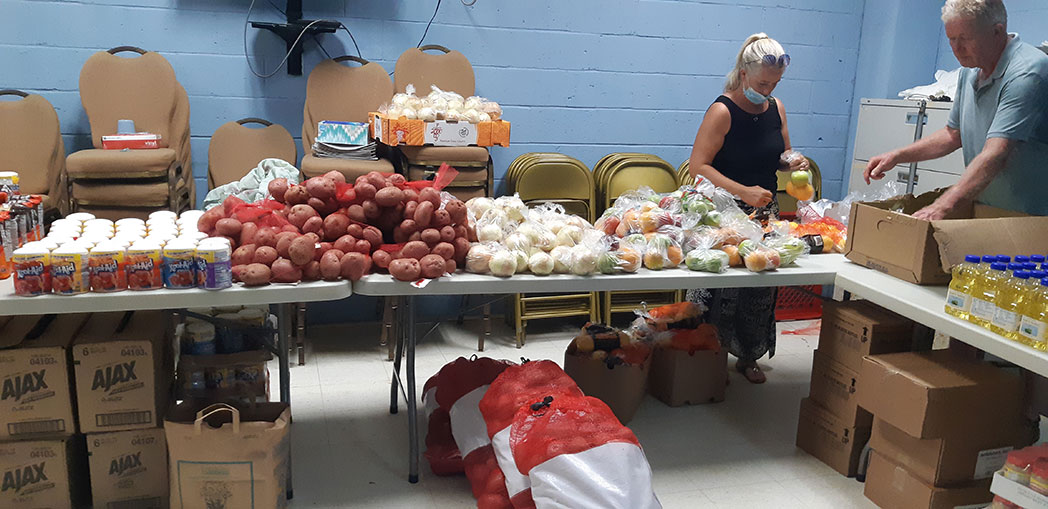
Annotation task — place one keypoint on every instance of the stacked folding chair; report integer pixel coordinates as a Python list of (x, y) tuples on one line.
[(32, 146), (566, 181), (684, 174), (788, 203), (132, 183), (451, 72), (616, 174)]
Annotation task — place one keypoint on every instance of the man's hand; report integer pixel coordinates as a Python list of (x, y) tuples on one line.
[(879, 166), (934, 212), (755, 196)]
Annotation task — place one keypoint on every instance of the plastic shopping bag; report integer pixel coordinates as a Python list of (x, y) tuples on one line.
[(577, 454), (516, 387)]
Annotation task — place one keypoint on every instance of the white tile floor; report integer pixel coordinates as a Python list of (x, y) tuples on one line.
[(348, 451)]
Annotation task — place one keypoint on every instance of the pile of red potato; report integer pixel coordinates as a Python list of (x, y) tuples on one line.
[(329, 229)]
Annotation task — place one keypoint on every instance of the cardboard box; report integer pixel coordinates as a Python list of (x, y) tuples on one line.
[(829, 438), (834, 387), (933, 394), (677, 378), (404, 131), (854, 329), (1019, 494), (968, 454), (129, 469), (922, 252), (622, 388), (36, 393), (123, 373), (893, 487), (43, 473)]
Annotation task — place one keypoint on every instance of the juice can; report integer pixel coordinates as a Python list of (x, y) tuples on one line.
[(32, 270), (70, 270), (213, 264), (179, 265), (107, 263), (143, 265)]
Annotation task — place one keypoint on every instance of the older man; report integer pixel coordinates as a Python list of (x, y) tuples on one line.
[(999, 118)]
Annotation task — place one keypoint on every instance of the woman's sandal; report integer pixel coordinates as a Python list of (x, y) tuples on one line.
[(752, 372)]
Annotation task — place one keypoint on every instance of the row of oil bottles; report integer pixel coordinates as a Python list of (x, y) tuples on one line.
[(1009, 297)]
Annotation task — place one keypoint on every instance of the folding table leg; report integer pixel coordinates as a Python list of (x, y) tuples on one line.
[(283, 351), (412, 401), (486, 334), (398, 342), (300, 332)]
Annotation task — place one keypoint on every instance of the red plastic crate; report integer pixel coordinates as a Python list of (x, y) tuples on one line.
[(794, 304)]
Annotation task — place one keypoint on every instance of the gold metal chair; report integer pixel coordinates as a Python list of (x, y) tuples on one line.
[(32, 144)]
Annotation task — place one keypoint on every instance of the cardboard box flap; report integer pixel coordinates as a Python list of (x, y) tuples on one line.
[(101, 327), (891, 485), (1009, 236)]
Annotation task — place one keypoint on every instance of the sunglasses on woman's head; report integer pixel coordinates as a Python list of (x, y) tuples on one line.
[(781, 61)]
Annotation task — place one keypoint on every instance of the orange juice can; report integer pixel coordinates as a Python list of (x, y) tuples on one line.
[(69, 270), (32, 269), (108, 267), (144, 267)]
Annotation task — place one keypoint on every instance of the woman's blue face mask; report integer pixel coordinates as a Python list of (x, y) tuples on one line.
[(754, 96)]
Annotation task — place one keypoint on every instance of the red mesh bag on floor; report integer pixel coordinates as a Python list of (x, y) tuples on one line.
[(459, 388), (519, 386), (577, 454), (441, 452)]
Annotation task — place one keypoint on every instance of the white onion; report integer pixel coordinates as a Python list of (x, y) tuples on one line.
[(561, 259), (427, 114), (409, 113), (503, 263), (541, 264), (477, 259), (583, 261), (489, 233), (522, 261)]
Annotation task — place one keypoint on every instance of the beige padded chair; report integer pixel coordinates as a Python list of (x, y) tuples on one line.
[(235, 149), (338, 92), (143, 89), (450, 71), (32, 146)]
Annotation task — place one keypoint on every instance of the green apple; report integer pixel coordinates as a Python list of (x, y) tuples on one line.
[(800, 178)]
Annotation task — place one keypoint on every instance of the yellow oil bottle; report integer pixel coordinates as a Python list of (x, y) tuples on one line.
[(959, 296), (1009, 300), (1033, 326), (984, 290)]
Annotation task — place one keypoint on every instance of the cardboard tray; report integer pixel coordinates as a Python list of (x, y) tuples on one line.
[(441, 133), (1017, 493)]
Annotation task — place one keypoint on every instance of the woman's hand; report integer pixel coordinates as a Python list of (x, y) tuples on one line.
[(799, 163), (755, 196)]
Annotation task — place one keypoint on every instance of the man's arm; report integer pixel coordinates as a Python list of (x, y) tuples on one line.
[(938, 144), (983, 169)]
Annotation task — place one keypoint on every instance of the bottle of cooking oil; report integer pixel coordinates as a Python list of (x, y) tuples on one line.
[(1033, 326), (987, 260), (959, 296), (1022, 259), (1037, 258), (984, 289), (1009, 299)]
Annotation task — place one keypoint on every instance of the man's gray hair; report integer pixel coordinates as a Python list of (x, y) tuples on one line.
[(989, 12)]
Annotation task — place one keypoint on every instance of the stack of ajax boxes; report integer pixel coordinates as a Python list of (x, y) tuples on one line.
[(81, 409)]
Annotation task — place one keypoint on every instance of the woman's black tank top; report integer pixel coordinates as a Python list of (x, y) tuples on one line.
[(751, 150)]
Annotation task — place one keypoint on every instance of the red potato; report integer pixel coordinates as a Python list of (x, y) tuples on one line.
[(457, 210), (335, 226), (431, 195), (236, 271), (410, 195), (409, 209), (362, 246), (277, 188), (347, 196), (266, 255), (356, 230), (313, 236), (284, 271), (266, 237), (207, 220), (372, 235), (335, 176), (355, 265), (461, 231), (450, 266), (431, 236), (424, 214), (356, 213), (321, 187), (345, 243), (376, 179), (331, 265), (446, 250), (313, 225), (381, 259), (322, 248), (365, 190), (360, 180), (323, 207), (409, 226), (247, 233), (441, 218), (415, 236), (290, 228), (296, 195), (300, 214), (284, 240), (371, 209), (471, 233), (414, 249), (397, 179), (302, 250), (389, 197), (461, 248), (311, 271), (447, 234), (243, 255), (228, 226), (432, 266), (256, 274), (405, 269)]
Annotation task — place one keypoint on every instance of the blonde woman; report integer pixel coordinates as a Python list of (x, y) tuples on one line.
[(739, 147)]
